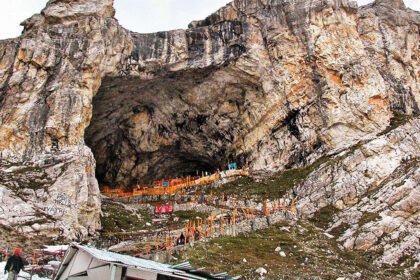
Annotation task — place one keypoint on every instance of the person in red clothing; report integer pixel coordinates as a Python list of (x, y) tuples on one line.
[(13, 266)]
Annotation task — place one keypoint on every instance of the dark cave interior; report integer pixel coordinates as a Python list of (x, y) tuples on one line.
[(181, 123)]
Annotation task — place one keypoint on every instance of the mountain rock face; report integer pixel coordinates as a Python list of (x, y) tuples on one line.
[(270, 84), (375, 184), (48, 78)]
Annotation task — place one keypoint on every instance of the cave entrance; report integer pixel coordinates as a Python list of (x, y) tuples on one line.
[(146, 130)]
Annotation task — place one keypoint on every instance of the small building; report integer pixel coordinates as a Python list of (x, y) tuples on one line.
[(87, 263)]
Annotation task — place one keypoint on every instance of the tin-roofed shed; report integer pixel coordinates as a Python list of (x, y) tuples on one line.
[(87, 263)]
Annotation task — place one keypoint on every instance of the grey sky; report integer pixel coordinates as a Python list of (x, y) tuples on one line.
[(136, 15)]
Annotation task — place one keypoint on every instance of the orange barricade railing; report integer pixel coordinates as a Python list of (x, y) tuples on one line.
[(173, 186)]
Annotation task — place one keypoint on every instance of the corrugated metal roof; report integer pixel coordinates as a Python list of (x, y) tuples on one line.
[(184, 269), (184, 266), (107, 256)]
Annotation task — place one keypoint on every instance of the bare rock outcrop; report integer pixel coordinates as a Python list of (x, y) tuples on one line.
[(270, 84), (389, 32), (376, 186), (49, 76)]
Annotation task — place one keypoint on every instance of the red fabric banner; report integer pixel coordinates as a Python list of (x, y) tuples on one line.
[(163, 209)]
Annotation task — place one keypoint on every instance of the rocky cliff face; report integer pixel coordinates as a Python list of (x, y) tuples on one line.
[(48, 78), (375, 184), (271, 84)]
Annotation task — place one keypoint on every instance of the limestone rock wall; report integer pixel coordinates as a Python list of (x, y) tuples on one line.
[(390, 34), (270, 84), (376, 187), (49, 76)]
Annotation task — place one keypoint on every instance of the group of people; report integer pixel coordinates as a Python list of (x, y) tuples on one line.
[(182, 240), (14, 265)]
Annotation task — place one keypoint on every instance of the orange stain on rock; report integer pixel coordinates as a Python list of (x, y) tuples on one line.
[(334, 77), (378, 102), (298, 88), (5, 138)]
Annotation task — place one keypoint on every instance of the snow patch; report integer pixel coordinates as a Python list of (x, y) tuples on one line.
[(21, 274)]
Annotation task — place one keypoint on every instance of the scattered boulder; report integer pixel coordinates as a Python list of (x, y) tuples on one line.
[(261, 271), (283, 254), (328, 235)]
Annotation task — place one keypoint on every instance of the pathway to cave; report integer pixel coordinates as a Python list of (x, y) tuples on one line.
[(211, 216), (172, 186)]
